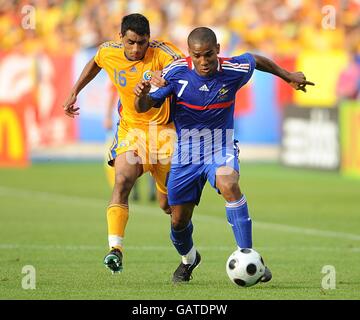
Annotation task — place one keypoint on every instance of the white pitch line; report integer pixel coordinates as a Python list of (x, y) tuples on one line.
[(101, 203), (307, 231), (11, 246)]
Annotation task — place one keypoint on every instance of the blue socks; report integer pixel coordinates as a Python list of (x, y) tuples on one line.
[(238, 218), (182, 239)]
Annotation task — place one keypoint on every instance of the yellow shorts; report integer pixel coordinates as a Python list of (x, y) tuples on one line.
[(153, 144)]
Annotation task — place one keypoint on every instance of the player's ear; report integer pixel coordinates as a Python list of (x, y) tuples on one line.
[(218, 48)]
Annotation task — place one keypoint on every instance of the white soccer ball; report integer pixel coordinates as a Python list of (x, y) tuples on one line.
[(245, 267)]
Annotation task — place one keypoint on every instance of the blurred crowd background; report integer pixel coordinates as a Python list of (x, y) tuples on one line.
[(279, 27), (44, 45)]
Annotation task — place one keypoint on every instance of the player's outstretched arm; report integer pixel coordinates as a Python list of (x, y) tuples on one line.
[(143, 102), (89, 72), (296, 79)]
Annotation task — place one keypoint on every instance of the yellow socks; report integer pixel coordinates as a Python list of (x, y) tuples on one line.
[(117, 217)]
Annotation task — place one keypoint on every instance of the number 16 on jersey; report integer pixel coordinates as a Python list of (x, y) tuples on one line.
[(119, 77)]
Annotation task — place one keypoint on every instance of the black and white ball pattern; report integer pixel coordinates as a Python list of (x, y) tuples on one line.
[(245, 267)]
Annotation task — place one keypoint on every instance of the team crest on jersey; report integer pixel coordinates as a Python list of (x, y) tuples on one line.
[(223, 93), (147, 75)]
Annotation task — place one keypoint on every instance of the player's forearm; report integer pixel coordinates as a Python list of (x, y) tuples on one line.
[(267, 65), (89, 72), (143, 103)]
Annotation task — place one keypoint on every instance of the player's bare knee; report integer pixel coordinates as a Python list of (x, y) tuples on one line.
[(230, 190), (123, 184), (179, 223)]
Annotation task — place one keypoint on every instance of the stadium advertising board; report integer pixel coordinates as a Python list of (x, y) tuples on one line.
[(32, 90), (46, 125), (16, 78), (13, 147), (350, 138), (259, 121), (317, 68), (310, 138)]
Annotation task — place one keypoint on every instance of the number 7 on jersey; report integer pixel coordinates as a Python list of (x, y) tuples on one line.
[(184, 84)]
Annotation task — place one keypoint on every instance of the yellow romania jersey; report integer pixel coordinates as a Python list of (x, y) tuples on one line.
[(125, 74)]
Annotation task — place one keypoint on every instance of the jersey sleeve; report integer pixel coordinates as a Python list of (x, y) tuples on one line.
[(246, 62), (99, 56), (160, 94)]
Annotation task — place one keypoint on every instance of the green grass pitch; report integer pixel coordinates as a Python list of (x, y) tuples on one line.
[(52, 217)]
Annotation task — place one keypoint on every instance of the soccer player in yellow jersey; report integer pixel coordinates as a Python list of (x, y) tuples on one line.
[(142, 142)]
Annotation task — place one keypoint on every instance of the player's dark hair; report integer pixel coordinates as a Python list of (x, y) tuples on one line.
[(202, 35), (137, 23)]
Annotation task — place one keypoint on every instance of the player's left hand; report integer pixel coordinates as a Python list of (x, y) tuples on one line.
[(142, 88), (298, 81), (157, 80)]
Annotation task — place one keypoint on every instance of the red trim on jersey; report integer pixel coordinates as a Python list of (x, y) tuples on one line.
[(189, 61), (222, 105), (220, 61)]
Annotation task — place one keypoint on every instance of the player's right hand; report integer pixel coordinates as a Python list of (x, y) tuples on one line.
[(69, 107), (157, 80), (142, 88)]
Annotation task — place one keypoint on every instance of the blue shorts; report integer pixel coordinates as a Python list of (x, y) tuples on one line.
[(186, 181)]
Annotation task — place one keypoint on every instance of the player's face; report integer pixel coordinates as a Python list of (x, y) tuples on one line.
[(135, 46), (204, 57)]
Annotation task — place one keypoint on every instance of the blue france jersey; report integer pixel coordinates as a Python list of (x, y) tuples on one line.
[(204, 106)]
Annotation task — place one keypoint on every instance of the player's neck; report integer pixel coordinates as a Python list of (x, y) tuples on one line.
[(209, 75), (127, 58)]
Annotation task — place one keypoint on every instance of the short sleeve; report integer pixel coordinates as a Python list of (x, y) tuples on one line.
[(247, 62), (97, 58)]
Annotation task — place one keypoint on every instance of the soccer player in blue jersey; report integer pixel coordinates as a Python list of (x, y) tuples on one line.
[(204, 86)]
